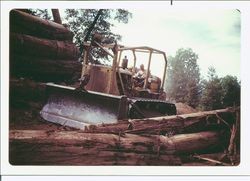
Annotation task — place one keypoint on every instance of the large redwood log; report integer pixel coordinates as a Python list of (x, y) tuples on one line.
[(185, 123), (24, 23), (45, 70), (26, 91), (53, 49), (22, 153), (182, 143)]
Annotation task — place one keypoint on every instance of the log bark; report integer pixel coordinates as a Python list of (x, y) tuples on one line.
[(24, 23), (160, 145), (23, 153), (56, 16), (45, 70), (27, 90), (186, 123), (53, 49)]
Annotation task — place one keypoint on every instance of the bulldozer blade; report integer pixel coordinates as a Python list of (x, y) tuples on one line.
[(71, 107)]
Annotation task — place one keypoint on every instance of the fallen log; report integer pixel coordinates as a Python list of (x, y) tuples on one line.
[(22, 153), (185, 123), (45, 70), (37, 47), (145, 126), (26, 90), (24, 23), (178, 144)]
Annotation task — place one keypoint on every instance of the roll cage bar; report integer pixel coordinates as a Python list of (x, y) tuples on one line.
[(117, 52)]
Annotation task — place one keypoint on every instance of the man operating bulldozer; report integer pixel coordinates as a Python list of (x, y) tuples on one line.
[(142, 72), (140, 76)]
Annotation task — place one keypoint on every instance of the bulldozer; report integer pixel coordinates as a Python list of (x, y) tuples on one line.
[(109, 93)]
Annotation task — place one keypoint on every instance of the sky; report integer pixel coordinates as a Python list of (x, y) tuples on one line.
[(214, 35)]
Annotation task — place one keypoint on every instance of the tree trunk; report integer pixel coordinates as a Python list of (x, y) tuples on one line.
[(186, 123), (29, 45), (56, 16), (91, 27), (51, 146), (23, 153), (26, 91), (24, 23), (45, 70)]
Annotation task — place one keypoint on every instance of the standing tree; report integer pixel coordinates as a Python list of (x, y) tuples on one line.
[(212, 91), (183, 83), (220, 92), (231, 91)]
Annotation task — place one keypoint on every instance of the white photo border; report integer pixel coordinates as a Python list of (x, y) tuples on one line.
[(242, 169)]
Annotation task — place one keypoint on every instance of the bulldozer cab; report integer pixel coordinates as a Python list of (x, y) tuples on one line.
[(117, 78)]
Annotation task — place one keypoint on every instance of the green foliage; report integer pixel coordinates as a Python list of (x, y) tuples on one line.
[(231, 91), (184, 77), (212, 92), (219, 92), (79, 20), (43, 13), (185, 85)]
